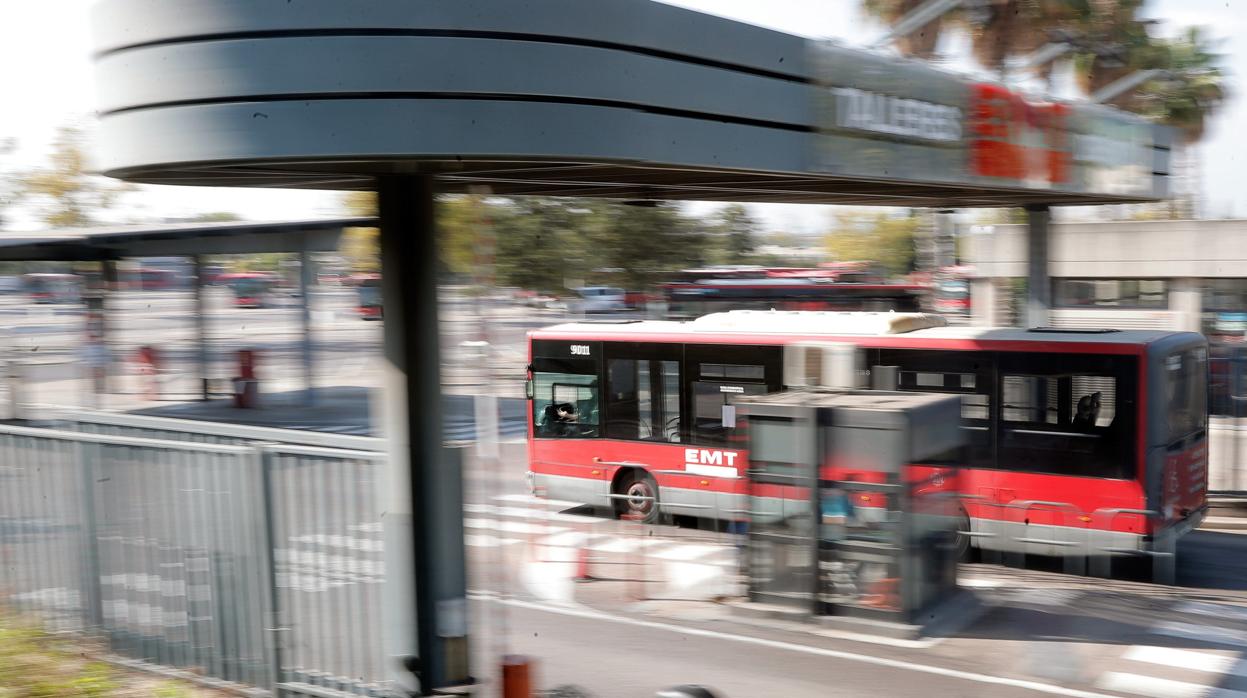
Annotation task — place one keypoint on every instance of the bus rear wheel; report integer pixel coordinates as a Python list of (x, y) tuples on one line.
[(644, 508)]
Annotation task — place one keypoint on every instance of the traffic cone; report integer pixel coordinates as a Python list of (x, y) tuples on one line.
[(582, 565), (517, 677)]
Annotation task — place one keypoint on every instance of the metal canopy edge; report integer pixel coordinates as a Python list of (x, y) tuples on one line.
[(615, 98)]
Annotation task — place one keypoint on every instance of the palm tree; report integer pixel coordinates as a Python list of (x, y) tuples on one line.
[(918, 44), (1109, 41)]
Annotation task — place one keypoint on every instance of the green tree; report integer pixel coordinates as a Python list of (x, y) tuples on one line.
[(216, 217), (644, 241), (537, 243), (918, 44), (1109, 39), (874, 237), (69, 195), (462, 221), (737, 233)]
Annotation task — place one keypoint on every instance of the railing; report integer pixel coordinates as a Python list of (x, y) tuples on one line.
[(115, 424), (258, 565)]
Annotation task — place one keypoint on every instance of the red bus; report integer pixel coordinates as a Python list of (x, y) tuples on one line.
[(53, 288), (691, 299), (368, 292), (1074, 435), (156, 279), (250, 289)]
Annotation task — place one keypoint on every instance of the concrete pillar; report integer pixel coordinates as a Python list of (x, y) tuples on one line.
[(307, 346), (201, 328), (1038, 285), (1186, 302), (985, 303), (426, 583)]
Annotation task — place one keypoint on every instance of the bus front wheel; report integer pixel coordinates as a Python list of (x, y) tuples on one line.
[(641, 502)]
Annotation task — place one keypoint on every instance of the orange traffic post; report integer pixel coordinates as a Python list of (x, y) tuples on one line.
[(517, 676)]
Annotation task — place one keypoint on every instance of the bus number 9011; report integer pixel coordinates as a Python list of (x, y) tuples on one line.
[(580, 350)]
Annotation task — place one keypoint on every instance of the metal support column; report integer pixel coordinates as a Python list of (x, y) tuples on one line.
[(111, 282), (305, 317), (201, 329), (426, 588), (1038, 285)]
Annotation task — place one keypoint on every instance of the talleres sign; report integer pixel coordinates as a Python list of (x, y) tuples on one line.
[(897, 119)]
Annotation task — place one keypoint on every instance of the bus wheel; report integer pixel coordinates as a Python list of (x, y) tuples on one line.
[(645, 507), (965, 551)]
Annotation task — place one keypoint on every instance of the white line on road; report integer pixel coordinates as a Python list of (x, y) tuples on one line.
[(686, 553), (477, 541), (1219, 610), (1182, 659), (1203, 633), (1160, 688), (529, 499), (804, 649), (512, 526)]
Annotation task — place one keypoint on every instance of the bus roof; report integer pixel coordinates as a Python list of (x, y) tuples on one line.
[(770, 326)]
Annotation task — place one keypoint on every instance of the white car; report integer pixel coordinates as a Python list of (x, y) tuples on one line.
[(601, 299)]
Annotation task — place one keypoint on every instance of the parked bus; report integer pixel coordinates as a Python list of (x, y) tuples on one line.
[(691, 299), (368, 289), (250, 289), (151, 279), (53, 288), (1106, 424)]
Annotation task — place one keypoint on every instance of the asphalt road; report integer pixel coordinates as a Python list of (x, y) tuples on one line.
[(330, 562)]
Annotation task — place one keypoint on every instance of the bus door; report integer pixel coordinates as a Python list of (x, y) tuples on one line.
[(644, 448), (715, 376)]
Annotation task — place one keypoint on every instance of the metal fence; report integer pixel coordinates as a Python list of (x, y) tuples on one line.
[(115, 424), (258, 565)]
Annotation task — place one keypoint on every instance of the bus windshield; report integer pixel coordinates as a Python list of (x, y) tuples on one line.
[(565, 397), (249, 287), (369, 295)]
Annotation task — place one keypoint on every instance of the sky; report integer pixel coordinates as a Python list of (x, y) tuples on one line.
[(47, 82)]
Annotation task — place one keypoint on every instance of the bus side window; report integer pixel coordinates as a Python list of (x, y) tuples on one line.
[(1067, 415), (967, 375)]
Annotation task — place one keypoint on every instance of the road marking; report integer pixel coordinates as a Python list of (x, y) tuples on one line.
[(1202, 633), (478, 541), (1182, 659), (1219, 610), (529, 499), (686, 553), (980, 583), (533, 513), (1149, 686), (512, 526), (804, 649), (617, 545)]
